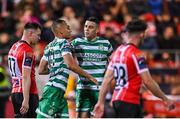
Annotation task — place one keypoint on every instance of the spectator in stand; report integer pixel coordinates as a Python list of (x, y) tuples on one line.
[(137, 7), (150, 42), (168, 40), (28, 16), (112, 37), (163, 21), (156, 6), (95, 8), (118, 9), (70, 17), (174, 8), (47, 34), (108, 21), (57, 6), (127, 18), (5, 42)]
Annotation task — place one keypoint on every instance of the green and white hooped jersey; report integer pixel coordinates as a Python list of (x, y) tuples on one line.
[(92, 57), (58, 70)]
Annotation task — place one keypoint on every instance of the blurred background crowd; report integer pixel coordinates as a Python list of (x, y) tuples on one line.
[(162, 43)]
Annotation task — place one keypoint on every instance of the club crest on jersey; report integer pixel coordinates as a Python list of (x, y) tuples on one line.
[(51, 111), (101, 47)]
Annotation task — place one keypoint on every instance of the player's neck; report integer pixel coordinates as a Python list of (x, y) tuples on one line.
[(133, 41), (59, 36), (91, 39), (24, 38)]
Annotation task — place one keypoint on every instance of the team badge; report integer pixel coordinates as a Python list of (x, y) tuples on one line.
[(51, 111), (101, 47)]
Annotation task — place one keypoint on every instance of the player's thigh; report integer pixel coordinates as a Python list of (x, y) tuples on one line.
[(33, 104), (17, 99)]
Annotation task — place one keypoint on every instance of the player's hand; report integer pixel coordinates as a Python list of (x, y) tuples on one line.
[(98, 110), (25, 107), (169, 104), (94, 80), (71, 95)]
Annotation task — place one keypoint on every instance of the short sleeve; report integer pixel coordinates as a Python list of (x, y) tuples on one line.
[(66, 48), (74, 42), (110, 50), (140, 62), (45, 55), (28, 58)]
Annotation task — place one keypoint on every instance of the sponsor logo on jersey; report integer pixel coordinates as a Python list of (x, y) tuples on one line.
[(28, 61)]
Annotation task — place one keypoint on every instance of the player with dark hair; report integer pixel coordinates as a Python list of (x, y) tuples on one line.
[(92, 53), (129, 69), (21, 61), (57, 61)]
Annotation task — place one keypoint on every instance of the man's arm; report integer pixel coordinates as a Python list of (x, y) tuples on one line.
[(155, 89), (99, 107), (26, 84), (109, 75), (72, 65), (43, 67)]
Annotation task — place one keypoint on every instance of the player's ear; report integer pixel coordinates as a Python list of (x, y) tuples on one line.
[(97, 30), (142, 35)]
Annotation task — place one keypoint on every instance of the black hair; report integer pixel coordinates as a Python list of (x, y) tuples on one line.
[(32, 25), (56, 23), (136, 25), (93, 19)]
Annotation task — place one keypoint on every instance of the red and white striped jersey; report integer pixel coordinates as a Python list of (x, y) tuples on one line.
[(127, 63), (21, 55)]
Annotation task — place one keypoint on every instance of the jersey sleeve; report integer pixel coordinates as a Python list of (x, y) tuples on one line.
[(73, 42), (28, 59), (66, 49), (140, 62), (45, 55), (110, 50)]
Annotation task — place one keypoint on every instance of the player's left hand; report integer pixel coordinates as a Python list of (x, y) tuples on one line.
[(169, 104), (25, 107), (98, 110)]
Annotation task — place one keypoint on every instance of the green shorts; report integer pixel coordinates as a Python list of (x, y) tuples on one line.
[(52, 104), (86, 100)]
